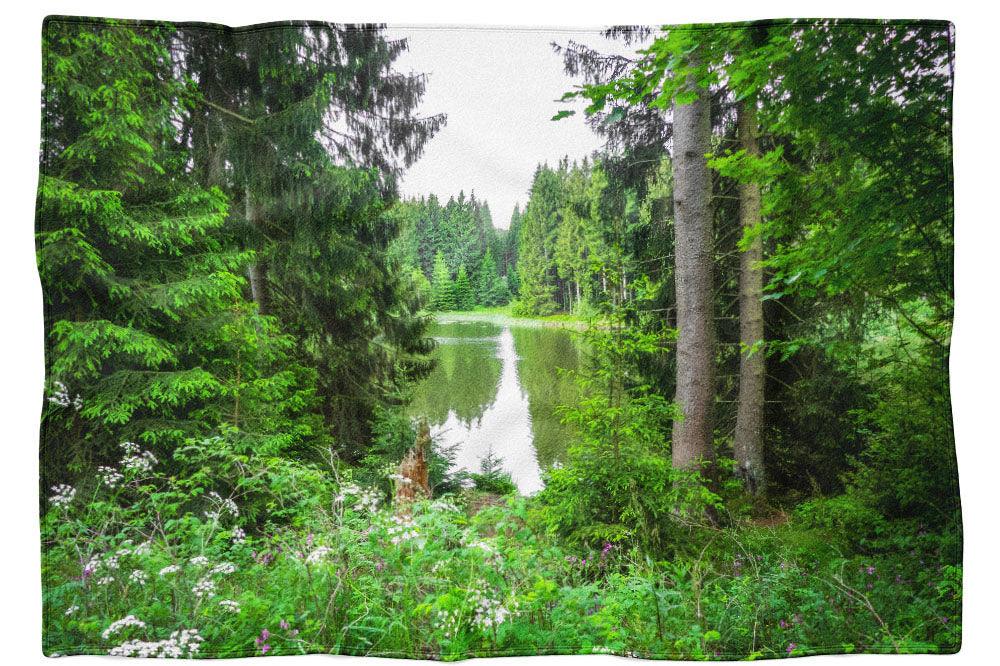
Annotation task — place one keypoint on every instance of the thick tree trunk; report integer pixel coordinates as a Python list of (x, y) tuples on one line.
[(748, 445), (259, 288), (692, 435)]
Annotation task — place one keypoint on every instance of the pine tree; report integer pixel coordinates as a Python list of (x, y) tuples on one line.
[(486, 280), (442, 288), (538, 228), (328, 95), (465, 295), (145, 317)]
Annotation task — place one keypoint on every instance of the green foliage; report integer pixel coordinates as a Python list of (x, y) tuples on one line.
[(200, 552), (442, 287), (221, 455), (465, 296)]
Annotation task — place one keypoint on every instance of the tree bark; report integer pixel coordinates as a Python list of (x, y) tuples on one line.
[(692, 435), (748, 445)]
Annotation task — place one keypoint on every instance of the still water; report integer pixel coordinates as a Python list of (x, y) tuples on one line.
[(495, 390)]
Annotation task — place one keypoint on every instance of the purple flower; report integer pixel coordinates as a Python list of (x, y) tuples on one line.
[(791, 648), (870, 570), (782, 624), (283, 624)]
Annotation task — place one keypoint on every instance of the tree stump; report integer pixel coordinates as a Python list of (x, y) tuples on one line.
[(412, 482)]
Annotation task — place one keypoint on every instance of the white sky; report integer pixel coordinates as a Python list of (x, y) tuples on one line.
[(499, 87)]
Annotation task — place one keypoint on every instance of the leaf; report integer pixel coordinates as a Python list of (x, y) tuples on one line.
[(565, 113)]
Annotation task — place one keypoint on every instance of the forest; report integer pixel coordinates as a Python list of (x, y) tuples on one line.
[(756, 459)]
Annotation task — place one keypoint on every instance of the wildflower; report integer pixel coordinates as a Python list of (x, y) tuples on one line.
[(169, 569), (222, 505), (224, 568), (791, 648), (483, 546), (182, 643), (870, 570), (204, 588), (782, 624), (72, 609), (118, 625), (488, 612), (139, 577), (111, 561), (61, 397), (239, 536), (92, 565), (317, 555), (230, 605), (403, 529), (284, 624), (110, 476), (261, 641), (106, 580), (199, 560), (136, 460), (444, 505), (64, 495)]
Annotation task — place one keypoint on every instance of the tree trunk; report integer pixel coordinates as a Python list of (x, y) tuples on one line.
[(748, 445), (259, 288), (692, 435)]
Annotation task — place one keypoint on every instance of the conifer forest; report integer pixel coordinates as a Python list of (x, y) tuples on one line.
[(687, 398)]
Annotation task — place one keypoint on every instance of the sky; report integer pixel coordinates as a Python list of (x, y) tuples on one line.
[(499, 88)]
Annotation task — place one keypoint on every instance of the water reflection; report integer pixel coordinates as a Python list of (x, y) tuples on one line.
[(495, 390)]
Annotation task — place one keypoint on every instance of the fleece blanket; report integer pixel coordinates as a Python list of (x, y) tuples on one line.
[(449, 342)]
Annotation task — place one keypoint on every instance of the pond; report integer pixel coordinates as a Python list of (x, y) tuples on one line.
[(495, 390)]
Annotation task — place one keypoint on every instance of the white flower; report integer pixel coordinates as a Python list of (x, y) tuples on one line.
[(106, 580), (136, 460), (118, 625), (61, 397), (143, 548), (489, 612), (183, 643), (403, 529), (483, 546), (110, 476), (64, 495), (224, 504), (239, 536), (199, 560), (172, 568), (230, 605), (72, 609), (139, 577), (224, 568), (204, 588), (317, 555)]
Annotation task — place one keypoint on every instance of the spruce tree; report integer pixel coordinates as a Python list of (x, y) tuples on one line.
[(465, 295), (442, 288)]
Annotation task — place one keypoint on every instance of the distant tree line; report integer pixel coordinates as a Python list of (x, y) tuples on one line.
[(454, 254)]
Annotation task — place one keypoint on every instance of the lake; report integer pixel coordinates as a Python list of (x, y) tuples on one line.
[(495, 389)]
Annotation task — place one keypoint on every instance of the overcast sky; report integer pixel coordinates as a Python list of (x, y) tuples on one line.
[(499, 87)]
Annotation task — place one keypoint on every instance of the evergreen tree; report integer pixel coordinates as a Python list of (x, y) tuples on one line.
[(538, 229), (147, 327), (465, 295), (442, 288), (486, 280), (307, 127)]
